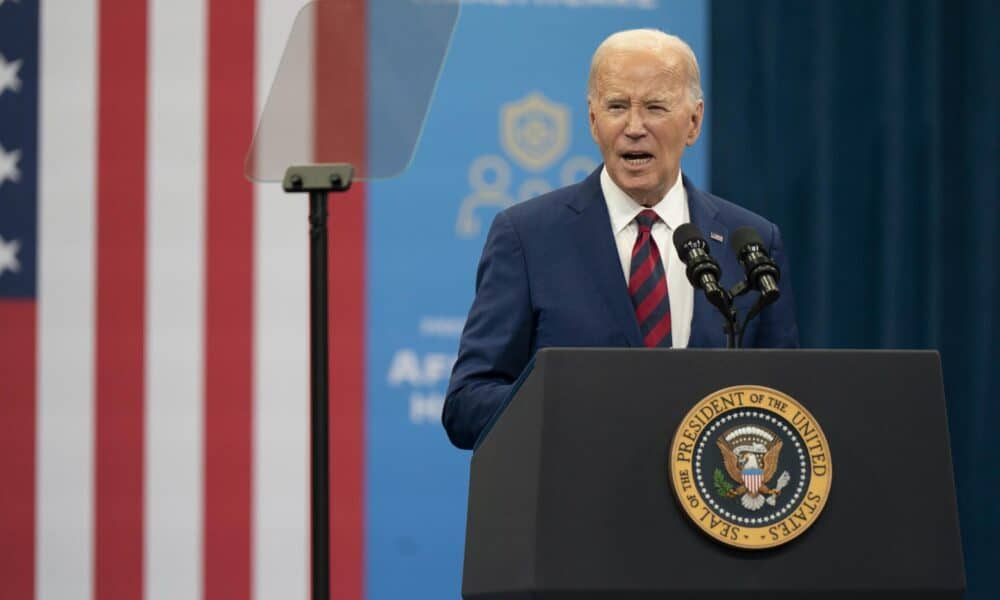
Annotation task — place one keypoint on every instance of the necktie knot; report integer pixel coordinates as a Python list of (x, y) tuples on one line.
[(646, 219)]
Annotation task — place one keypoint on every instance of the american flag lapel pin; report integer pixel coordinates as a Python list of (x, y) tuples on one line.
[(716, 236)]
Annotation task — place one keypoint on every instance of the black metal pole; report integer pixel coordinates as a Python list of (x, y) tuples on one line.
[(732, 335), (319, 180), (319, 356)]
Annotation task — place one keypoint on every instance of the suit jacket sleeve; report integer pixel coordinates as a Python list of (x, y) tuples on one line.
[(497, 341), (777, 327)]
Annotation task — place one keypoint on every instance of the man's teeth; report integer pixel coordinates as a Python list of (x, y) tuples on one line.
[(637, 159)]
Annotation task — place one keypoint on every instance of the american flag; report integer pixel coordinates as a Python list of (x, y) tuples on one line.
[(154, 314)]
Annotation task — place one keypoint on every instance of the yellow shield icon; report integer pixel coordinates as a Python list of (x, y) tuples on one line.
[(534, 131)]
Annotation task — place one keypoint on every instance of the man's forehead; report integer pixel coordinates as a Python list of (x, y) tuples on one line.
[(659, 88), (632, 72), (610, 95), (666, 61)]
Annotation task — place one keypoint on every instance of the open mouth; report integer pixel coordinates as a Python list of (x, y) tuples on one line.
[(636, 159)]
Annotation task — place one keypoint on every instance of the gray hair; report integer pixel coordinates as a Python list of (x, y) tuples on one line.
[(647, 39)]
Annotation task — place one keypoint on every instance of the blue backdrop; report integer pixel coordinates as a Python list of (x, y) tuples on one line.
[(508, 121), (873, 140)]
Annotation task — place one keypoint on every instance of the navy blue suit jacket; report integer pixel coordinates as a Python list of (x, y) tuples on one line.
[(550, 275)]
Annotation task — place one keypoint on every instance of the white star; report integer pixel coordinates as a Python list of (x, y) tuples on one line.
[(8, 74), (8, 256), (1, 1), (8, 165)]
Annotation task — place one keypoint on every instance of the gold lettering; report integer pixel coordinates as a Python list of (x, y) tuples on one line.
[(685, 478), (732, 400), (684, 451), (716, 406), (802, 423), (777, 404)]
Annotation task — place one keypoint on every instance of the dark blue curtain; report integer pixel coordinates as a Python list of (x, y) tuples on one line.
[(868, 131)]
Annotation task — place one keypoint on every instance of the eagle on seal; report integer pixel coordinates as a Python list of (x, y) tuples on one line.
[(750, 455)]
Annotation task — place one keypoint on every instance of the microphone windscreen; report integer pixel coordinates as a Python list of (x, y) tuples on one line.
[(684, 234), (743, 236)]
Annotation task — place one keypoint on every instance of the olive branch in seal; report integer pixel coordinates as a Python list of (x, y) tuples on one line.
[(722, 485)]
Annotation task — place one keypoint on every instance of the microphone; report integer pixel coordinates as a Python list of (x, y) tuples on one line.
[(762, 273), (702, 270)]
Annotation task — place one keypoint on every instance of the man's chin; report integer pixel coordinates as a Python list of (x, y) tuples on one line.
[(640, 188)]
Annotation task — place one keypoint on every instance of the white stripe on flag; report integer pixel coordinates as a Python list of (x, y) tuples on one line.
[(175, 300), (281, 363), (67, 149)]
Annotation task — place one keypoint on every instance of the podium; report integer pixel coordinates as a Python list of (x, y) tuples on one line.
[(570, 494)]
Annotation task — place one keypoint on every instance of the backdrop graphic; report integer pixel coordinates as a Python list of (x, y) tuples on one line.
[(153, 304), (508, 122)]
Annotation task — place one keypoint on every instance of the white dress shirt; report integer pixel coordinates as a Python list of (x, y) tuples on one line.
[(673, 212)]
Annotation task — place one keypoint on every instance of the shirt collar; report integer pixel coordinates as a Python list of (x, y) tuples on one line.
[(623, 209)]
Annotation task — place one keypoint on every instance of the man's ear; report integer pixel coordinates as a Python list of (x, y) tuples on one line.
[(593, 118), (697, 117)]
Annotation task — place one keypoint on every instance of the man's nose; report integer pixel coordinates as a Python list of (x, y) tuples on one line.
[(635, 127)]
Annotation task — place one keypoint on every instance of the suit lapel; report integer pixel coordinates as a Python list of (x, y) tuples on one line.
[(705, 326), (595, 244)]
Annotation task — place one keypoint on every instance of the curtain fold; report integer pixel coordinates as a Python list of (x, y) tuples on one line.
[(868, 131)]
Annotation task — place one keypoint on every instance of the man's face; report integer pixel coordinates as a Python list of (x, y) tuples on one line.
[(642, 118)]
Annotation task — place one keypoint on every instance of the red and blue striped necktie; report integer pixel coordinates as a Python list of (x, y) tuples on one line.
[(647, 284)]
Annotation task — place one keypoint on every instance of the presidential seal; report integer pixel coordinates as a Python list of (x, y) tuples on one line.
[(751, 467)]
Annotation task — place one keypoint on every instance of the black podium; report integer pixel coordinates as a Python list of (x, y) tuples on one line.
[(570, 497)]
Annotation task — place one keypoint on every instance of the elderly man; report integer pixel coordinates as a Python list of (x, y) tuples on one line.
[(593, 264)]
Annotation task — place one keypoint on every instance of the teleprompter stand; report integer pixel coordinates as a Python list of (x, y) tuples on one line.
[(319, 181), (570, 498)]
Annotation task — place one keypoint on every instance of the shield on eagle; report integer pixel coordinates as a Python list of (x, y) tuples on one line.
[(751, 479), (750, 454)]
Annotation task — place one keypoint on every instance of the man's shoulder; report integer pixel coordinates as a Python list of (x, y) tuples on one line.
[(733, 215), (549, 208)]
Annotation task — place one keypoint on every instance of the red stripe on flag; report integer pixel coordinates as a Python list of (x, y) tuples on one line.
[(17, 448), (340, 123), (229, 302), (120, 281), (347, 371)]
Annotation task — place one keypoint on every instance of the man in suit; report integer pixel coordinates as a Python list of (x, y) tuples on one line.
[(593, 264)]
